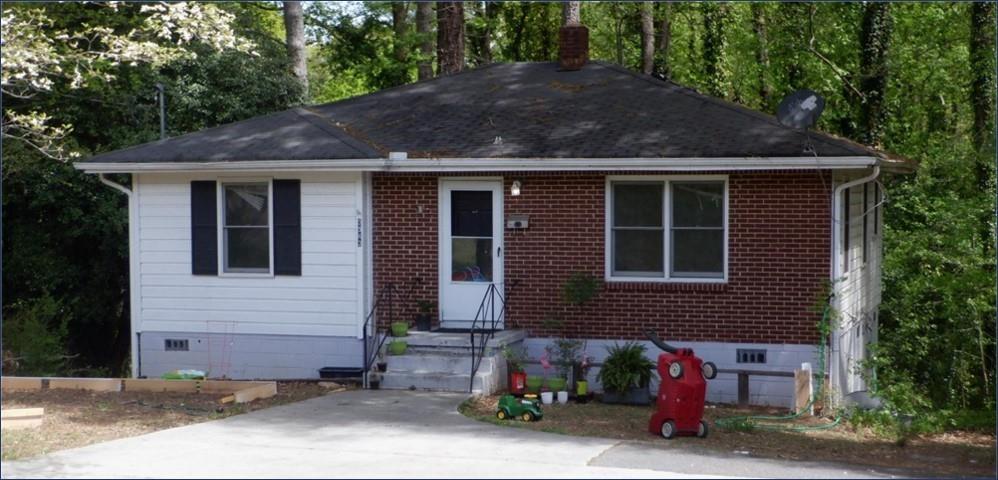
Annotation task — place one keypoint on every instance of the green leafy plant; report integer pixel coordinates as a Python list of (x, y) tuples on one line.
[(625, 367), (564, 354), (33, 336), (425, 306), (515, 358), (580, 288)]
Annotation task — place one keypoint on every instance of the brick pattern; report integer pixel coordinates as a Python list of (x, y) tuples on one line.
[(778, 258)]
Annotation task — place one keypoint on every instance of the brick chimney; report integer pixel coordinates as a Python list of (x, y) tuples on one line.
[(573, 46)]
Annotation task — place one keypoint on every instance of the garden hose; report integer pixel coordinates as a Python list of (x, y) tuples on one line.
[(730, 423)]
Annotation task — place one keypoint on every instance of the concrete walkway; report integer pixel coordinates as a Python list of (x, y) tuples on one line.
[(386, 434)]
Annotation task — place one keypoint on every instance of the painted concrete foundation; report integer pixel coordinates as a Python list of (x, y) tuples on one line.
[(775, 391), (243, 356)]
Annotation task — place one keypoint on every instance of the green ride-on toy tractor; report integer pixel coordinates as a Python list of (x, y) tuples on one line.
[(526, 409)]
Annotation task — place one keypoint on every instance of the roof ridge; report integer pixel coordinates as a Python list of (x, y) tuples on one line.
[(329, 126), (819, 135), (411, 84)]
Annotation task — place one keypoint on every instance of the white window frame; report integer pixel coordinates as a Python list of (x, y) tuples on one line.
[(222, 251), (666, 276)]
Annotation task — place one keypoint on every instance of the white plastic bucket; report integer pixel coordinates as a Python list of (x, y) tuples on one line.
[(547, 397), (562, 397)]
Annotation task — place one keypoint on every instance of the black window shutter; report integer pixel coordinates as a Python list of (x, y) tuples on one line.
[(287, 227), (204, 228)]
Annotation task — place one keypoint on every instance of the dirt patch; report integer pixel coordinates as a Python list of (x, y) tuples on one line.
[(947, 454), (76, 418)]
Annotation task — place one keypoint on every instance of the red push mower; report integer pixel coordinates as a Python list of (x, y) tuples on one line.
[(681, 392)]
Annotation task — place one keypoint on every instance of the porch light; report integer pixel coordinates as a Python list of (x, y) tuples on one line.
[(514, 190)]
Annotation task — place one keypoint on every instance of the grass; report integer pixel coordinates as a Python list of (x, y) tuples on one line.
[(960, 452), (78, 418)]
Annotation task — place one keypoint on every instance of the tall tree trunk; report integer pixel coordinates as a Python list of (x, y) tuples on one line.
[(647, 38), (450, 37), (714, 39), (480, 32), (519, 30), (762, 55), (874, 42), (424, 27), (294, 27), (982, 93), (400, 49), (982, 87), (571, 13), (661, 67)]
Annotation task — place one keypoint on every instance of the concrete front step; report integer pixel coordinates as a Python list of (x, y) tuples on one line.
[(437, 362), (461, 341), (435, 381)]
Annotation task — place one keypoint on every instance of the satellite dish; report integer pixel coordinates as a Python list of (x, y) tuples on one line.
[(800, 109)]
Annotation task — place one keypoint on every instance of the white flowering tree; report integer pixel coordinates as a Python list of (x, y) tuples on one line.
[(36, 56)]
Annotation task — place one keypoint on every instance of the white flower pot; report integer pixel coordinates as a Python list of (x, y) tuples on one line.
[(547, 397), (562, 397)]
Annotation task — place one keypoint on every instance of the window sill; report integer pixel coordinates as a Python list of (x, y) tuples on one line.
[(665, 286)]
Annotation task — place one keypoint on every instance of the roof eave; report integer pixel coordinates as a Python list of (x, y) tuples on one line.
[(496, 164)]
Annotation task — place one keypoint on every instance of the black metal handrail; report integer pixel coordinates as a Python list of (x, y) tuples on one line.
[(489, 321), (376, 331)]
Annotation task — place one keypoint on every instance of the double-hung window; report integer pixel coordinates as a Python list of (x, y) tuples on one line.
[(667, 229), (246, 233)]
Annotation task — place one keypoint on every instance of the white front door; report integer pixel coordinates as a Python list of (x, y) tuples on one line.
[(471, 229)]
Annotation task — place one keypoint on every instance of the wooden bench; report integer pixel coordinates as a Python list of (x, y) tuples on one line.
[(743, 380)]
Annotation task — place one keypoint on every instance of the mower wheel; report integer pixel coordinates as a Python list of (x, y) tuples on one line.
[(676, 370), (709, 370), (669, 429), (527, 417), (502, 415), (703, 430)]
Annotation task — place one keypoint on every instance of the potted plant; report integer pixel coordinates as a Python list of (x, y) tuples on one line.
[(626, 374), (397, 347), (400, 329), (515, 358), (424, 317), (581, 377), (533, 383)]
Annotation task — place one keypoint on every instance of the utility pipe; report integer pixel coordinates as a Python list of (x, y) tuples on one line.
[(835, 372), (133, 272)]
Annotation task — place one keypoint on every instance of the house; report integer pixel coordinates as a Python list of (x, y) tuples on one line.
[(278, 245)]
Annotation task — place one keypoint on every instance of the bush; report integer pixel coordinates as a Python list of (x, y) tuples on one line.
[(626, 367), (34, 333)]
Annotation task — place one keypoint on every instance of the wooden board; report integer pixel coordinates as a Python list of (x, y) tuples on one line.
[(18, 418), (9, 384), (802, 390), (266, 390), (158, 385), (90, 384)]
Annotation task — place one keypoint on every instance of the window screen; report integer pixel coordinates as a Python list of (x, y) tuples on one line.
[(697, 231), (246, 235), (637, 229)]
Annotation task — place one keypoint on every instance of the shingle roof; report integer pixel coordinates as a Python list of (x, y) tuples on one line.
[(514, 110)]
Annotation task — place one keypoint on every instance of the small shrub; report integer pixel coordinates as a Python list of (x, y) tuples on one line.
[(34, 334), (626, 366)]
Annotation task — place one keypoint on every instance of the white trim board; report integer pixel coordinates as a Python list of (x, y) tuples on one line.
[(497, 164)]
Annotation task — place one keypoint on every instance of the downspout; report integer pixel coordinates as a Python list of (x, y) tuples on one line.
[(837, 254), (136, 360)]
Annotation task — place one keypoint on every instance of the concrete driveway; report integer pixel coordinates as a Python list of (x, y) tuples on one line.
[(387, 434)]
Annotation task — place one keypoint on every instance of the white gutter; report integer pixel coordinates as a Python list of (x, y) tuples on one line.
[(133, 268), (495, 164), (837, 255)]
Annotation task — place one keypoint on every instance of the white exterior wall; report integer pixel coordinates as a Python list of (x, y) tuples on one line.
[(858, 292), (327, 300)]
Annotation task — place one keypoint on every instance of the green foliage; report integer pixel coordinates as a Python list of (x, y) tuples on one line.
[(565, 353), (625, 367), (580, 288), (515, 357), (34, 333)]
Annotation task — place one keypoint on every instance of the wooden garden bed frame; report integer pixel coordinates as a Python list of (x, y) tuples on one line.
[(238, 391)]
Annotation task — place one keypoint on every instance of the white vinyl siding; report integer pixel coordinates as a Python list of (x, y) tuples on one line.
[(860, 285), (324, 300)]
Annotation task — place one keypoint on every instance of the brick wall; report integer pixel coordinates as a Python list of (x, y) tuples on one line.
[(778, 258)]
